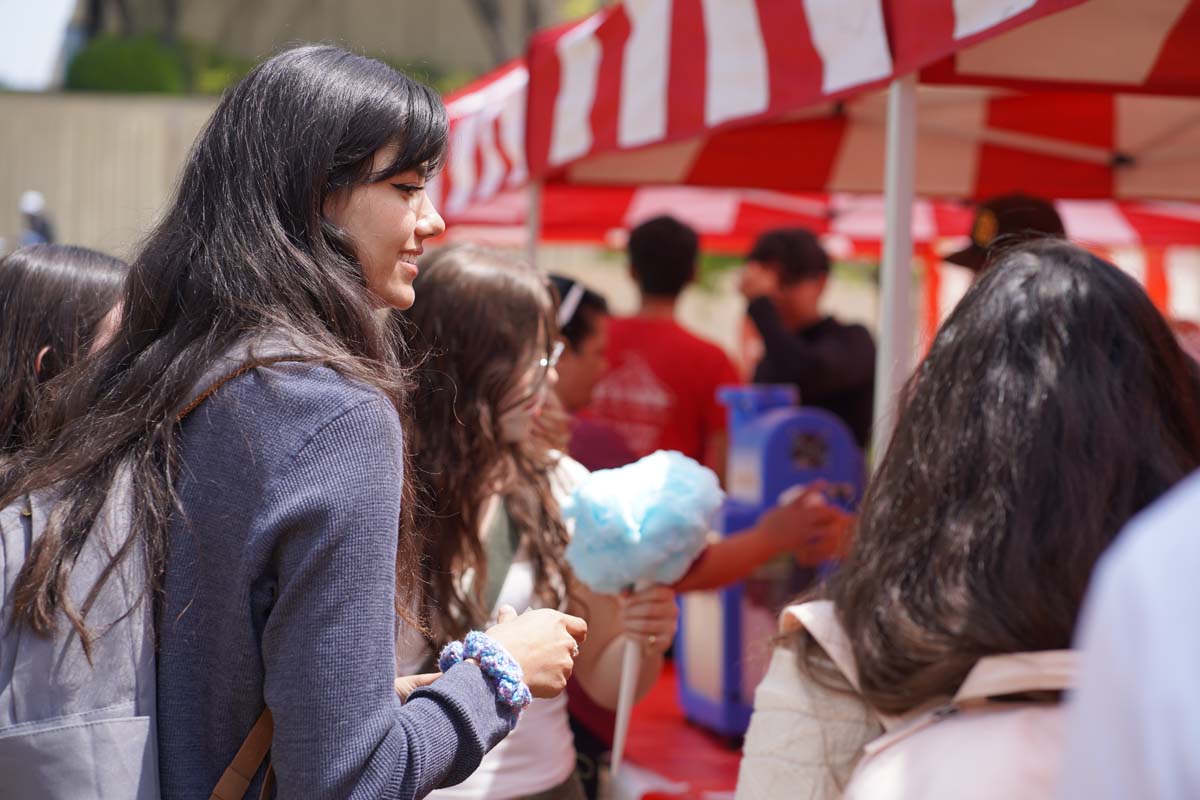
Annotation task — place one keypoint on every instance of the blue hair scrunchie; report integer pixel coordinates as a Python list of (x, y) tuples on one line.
[(499, 668)]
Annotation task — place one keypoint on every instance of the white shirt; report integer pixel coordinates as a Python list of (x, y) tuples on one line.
[(1134, 722), (539, 754)]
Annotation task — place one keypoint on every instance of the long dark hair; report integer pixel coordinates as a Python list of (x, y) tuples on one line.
[(480, 319), (244, 248), (51, 296), (1054, 405)]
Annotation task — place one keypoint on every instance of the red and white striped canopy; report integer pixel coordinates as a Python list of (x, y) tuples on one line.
[(649, 92), (971, 143), (645, 72), (729, 220)]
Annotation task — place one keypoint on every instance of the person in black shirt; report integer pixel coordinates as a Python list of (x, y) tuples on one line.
[(832, 364)]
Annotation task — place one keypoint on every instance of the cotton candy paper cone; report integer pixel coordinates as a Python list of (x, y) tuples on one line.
[(631, 665)]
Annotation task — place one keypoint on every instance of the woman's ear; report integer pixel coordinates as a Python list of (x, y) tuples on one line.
[(37, 362)]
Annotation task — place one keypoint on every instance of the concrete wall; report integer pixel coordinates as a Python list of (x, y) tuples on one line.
[(106, 163)]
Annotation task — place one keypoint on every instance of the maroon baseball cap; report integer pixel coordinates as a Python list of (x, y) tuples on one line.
[(1007, 219)]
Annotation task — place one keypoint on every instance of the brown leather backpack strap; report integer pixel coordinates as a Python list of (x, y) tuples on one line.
[(245, 764), (249, 758), (224, 379), (268, 786)]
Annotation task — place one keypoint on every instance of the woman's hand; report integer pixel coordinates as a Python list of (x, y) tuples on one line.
[(650, 616), (646, 618), (410, 683), (808, 526), (544, 642)]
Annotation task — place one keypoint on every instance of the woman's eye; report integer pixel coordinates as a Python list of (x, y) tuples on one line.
[(408, 188)]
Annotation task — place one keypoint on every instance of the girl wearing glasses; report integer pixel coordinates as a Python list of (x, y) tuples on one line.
[(488, 460)]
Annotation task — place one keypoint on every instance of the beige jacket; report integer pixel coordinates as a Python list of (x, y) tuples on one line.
[(814, 743)]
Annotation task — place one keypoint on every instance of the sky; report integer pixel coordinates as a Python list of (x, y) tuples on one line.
[(31, 42)]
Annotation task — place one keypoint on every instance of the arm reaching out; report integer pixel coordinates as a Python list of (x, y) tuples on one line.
[(807, 526)]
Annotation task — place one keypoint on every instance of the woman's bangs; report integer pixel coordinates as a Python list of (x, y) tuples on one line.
[(422, 137)]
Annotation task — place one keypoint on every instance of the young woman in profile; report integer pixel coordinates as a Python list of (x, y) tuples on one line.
[(270, 518), (53, 303), (1054, 405)]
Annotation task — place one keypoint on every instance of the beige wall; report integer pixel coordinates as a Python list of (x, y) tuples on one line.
[(106, 163)]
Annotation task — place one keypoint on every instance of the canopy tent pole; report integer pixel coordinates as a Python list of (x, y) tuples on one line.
[(534, 221), (894, 357)]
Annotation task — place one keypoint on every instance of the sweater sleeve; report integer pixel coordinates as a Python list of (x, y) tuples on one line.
[(832, 365), (328, 644)]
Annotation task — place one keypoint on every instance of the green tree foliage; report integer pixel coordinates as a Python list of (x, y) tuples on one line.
[(133, 64), (111, 63)]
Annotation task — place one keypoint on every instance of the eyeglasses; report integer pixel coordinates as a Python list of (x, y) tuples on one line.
[(547, 363), (542, 369)]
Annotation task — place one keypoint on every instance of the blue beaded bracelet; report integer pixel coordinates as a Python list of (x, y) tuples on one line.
[(499, 668)]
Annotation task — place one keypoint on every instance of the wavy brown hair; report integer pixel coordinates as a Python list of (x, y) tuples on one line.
[(1053, 405), (481, 319), (243, 249), (51, 296)]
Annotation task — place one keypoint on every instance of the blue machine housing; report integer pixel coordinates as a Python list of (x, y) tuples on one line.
[(724, 636)]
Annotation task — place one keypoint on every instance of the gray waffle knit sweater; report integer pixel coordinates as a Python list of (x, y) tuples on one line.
[(279, 589)]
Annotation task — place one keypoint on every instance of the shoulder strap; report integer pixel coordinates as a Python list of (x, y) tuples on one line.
[(991, 677), (500, 549), (249, 758), (226, 378)]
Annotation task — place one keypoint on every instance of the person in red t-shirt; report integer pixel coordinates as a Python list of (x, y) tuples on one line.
[(660, 390)]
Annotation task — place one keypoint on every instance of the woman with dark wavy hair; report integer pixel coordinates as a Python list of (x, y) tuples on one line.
[(488, 456), (270, 519), (53, 299), (1053, 405)]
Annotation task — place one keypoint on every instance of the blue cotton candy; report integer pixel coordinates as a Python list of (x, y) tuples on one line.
[(642, 523)]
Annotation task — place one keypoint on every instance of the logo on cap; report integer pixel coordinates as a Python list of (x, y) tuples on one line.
[(986, 227)]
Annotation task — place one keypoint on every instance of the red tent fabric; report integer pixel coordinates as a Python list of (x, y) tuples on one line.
[(971, 143), (648, 72)]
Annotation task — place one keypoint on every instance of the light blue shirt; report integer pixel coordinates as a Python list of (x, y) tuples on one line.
[(1134, 722)]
